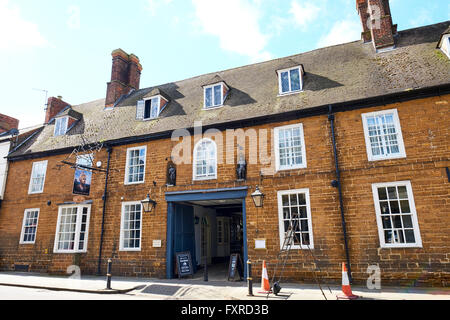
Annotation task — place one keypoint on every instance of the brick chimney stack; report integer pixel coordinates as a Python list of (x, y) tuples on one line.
[(8, 123), (125, 76), (377, 23), (54, 106)]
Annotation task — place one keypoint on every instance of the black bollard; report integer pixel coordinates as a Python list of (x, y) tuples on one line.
[(109, 275), (205, 271), (249, 278)]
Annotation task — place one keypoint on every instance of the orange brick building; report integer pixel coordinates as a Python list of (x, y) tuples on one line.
[(350, 143)]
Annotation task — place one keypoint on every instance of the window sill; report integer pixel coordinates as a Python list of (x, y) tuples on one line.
[(373, 159), (204, 179), (289, 93), (37, 192), (68, 252), (290, 168), (402, 246), (297, 247), (213, 108), (130, 250), (133, 183)]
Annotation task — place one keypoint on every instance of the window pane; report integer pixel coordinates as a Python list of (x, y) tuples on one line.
[(295, 80), (409, 235), (208, 97), (284, 82), (387, 223), (407, 221), (392, 192), (404, 204), (394, 207), (148, 107), (155, 108), (218, 95), (382, 194)]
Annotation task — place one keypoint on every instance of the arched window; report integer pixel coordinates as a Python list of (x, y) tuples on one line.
[(205, 160)]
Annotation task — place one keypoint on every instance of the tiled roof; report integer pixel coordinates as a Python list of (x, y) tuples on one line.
[(336, 74)]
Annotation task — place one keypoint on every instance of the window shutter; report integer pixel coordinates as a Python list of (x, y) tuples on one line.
[(140, 110)]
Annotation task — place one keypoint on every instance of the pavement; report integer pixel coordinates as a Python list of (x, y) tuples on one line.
[(197, 289)]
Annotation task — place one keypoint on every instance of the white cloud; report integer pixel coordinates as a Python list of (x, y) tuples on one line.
[(236, 24), (304, 13), (342, 32), (16, 32)]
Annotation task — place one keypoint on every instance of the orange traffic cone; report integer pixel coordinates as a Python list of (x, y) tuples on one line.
[(265, 285), (346, 288)]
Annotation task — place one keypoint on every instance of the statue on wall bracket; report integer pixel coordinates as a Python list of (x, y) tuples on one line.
[(171, 173), (241, 169)]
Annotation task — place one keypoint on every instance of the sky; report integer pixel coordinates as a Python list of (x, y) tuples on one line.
[(63, 48)]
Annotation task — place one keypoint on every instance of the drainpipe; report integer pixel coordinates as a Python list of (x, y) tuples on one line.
[(338, 184), (105, 195)]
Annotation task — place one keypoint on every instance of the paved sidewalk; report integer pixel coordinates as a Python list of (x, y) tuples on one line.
[(187, 289)]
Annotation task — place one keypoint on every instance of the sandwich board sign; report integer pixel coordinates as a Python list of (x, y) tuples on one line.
[(235, 265), (184, 264)]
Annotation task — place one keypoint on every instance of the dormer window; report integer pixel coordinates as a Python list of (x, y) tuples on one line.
[(215, 93), (150, 108), (290, 80), (444, 42), (213, 96), (61, 126), (446, 46)]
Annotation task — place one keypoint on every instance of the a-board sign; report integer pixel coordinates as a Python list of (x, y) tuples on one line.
[(184, 264), (235, 265)]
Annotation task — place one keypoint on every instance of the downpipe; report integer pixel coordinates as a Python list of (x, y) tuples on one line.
[(105, 195), (337, 184)]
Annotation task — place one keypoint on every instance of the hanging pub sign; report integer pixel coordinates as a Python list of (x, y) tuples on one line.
[(83, 177)]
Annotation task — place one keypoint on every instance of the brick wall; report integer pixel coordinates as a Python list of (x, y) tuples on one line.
[(425, 132), (8, 123)]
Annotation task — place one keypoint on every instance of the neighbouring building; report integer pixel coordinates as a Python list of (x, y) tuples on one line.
[(350, 142), (11, 139)]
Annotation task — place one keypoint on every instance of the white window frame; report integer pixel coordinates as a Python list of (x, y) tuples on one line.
[(194, 165), (77, 231), (415, 222), (398, 129), (280, 84), (59, 129), (151, 104), (213, 105), (281, 218), (304, 164), (30, 187), (127, 165), (445, 47), (122, 230), (25, 218)]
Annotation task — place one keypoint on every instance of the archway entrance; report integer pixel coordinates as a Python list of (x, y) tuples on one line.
[(211, 225)]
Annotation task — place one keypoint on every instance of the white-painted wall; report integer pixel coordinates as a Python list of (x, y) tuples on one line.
[(4, 150)]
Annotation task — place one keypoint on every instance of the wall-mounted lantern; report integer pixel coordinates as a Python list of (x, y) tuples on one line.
[(148, 204), (258, 198)]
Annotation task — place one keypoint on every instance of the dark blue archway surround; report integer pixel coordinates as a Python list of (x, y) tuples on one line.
[(175, 210)]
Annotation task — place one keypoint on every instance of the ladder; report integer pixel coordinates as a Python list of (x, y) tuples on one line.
[(285, 249), (283, 256)]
